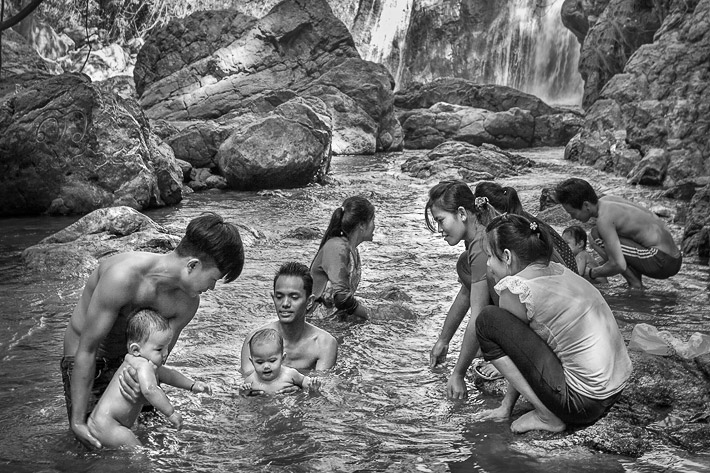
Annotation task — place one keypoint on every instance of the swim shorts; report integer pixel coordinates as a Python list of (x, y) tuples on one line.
[(650, 262), (105, 369)]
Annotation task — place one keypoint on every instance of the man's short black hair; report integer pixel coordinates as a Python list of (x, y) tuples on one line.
[(208, 237), (574, 192), (292, 268)]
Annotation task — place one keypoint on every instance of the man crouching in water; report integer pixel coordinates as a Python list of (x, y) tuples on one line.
[(171, 284)]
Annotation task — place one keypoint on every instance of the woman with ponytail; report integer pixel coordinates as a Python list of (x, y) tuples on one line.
[(453, 201), (336, 268), (553, 337)]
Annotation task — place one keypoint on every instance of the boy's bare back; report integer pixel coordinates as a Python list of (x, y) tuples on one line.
[(630, 220)]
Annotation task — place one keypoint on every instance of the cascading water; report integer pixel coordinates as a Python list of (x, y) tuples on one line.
[(518, 43)]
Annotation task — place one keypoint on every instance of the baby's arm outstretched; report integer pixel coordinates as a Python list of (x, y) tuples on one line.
[(179, 380), (305, 382), (155, 396)]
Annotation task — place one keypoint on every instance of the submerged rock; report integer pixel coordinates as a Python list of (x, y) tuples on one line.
[(77, 250)]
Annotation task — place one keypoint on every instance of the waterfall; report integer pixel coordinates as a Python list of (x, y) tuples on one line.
[(518, 43)]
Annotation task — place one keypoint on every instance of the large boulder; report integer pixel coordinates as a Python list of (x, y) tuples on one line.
[(495, 98), (215, 63), (287, 148), (69, 147), (457, 160), (650, 122), (514, 128)]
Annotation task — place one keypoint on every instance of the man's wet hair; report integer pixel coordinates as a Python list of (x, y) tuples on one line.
[(574, 192), (209, 238), (267, 335), (293, 268), (144, 322), (577, 233)]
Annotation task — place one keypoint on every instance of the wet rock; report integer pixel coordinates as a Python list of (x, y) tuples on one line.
[(664, 403), (304, 233), (76, 250), (465, 161), (70, 147)]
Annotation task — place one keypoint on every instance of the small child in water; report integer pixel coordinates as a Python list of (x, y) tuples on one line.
[(148, 337), (576, 238), (266, 353)]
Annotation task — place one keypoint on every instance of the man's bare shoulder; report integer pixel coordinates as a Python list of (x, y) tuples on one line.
[(613, 206), (319, 335)]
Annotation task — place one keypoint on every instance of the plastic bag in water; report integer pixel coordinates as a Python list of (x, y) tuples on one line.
[(649, 339)]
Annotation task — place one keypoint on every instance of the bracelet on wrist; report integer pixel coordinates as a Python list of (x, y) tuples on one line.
[(193, 385), (590, 273)]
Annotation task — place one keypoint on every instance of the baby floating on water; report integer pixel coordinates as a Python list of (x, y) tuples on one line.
[(266, 353)]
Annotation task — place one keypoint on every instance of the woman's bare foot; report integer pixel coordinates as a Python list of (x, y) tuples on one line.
[(533, 421), (498, 414)]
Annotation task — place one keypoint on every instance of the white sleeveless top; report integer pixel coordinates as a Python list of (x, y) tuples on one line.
[(573, 318)]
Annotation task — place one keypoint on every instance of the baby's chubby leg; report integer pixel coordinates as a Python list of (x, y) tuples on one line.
[(112, 434)]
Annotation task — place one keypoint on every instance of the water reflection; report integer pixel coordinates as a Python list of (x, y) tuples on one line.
[(380, 409)]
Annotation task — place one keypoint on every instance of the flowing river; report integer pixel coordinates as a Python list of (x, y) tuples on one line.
[(380, 409)]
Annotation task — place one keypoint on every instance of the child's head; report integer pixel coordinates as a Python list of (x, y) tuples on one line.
[(148, 335), (266, 352), (514, 242), (214, 242), (576, 238), (355, 212), (449, 206)]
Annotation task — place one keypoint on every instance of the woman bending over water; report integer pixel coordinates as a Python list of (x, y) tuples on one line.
[(554, 338), (336, 268), (455, 204)]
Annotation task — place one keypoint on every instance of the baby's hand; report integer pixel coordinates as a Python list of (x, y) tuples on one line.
[(176, 419), (200, 387), (245, 389), (311, 384)]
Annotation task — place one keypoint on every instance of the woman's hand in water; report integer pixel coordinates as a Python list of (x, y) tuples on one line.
[(438, 353), (128, 384), (456, 387)]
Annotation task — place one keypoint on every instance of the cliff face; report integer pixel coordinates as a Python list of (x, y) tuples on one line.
[(522, 45), (651, 120)]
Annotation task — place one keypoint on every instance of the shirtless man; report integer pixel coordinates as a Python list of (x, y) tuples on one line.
[(171, 284), (631, 240), (307, 347)]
